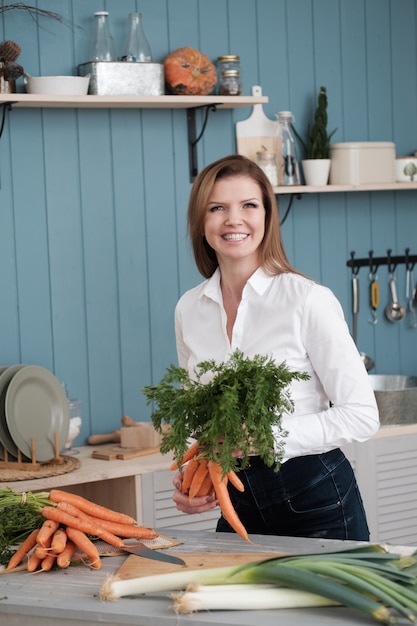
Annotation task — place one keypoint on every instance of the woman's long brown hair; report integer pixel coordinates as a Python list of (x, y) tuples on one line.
[(272, 252)]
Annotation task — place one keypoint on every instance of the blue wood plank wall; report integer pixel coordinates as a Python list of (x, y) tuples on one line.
[(93, 250)]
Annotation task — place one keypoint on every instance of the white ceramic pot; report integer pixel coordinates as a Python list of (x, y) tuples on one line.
[(406, 169), (316, 172), (57, 85)]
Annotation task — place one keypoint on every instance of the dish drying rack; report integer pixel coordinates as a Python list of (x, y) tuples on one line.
[(32, 463)]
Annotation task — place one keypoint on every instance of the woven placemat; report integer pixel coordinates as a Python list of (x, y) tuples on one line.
[(45, 470)]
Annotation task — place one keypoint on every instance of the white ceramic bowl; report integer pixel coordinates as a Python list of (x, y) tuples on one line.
[(406, 169), (57, 85)]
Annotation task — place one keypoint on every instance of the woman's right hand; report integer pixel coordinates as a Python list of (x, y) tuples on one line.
[(196, 505)]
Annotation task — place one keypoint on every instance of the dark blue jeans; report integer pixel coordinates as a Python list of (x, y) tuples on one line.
[(310, 496)]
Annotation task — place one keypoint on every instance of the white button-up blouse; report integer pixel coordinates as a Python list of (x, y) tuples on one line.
[(291, 319)]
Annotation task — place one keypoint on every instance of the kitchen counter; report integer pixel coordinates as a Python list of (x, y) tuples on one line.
[(70, 597)]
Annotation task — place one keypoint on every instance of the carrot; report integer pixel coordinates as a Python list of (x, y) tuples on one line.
[(86, 546), (33, 562), (192, 451), (235, 480), (23, 550), (222, 494), (64, 558), (121, 530), (51, 512), (48, 562), (188, 474), (43, 550), (95, 510), (206, 487), (198, 478), (45, 532), (59, 541)]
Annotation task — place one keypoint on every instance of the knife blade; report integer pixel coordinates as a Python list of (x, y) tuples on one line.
[(141, 550)]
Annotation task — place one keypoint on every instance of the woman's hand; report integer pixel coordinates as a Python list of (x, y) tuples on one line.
[(196, 505)]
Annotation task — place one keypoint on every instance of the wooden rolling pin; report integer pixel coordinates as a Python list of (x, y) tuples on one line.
[(95, 440)]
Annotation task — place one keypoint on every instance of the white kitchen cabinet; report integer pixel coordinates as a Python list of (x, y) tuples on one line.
[(159, 511), (386, 471)]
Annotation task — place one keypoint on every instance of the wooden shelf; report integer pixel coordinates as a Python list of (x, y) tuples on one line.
[(129, 102), (300, 189)]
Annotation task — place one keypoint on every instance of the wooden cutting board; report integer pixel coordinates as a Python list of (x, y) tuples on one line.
[(137, 566), (111, 453), (257, 132)]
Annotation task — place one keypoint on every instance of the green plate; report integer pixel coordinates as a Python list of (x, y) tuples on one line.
[(37, 408), (5, 436)]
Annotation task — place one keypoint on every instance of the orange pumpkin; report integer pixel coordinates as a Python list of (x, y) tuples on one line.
[(189, 72)]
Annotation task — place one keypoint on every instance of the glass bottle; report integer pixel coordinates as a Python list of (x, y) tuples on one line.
[(103, 48), (289, 168), (136, 46)]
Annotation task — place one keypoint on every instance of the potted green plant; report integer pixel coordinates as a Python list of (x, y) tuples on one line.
[(316, 164)]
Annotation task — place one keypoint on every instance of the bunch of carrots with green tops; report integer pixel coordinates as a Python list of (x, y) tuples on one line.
[(204, 477), (227, 406), (71, 523)]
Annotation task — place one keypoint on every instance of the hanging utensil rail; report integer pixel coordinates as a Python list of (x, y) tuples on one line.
[(374, 262)]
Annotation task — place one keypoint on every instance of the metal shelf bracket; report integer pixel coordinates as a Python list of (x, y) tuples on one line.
[(193, 139), (7, 106)]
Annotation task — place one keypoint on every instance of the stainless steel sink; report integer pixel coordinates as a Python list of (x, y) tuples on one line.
[(396, 397)]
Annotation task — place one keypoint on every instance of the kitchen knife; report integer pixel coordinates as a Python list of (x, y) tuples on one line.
[(141, 550)]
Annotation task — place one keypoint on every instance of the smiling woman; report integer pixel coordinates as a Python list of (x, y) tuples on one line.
[(253, 300)]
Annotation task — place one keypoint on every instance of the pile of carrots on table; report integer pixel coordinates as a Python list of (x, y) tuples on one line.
[(204, 477), (71, 522)]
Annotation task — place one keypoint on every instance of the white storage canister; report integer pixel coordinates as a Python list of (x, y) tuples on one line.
[(362, 162)]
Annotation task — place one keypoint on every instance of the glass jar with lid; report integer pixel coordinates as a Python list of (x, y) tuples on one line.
[(230, 83), (267, 161), (225, 63)]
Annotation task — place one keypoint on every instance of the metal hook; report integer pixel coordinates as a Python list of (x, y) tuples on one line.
[(391, 267)]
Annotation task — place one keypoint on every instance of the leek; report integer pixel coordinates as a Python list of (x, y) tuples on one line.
[(367, 579), (245, 598)]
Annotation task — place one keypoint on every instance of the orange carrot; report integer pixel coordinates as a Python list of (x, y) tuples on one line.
[(51, 512), (95, 510), (86, 546), (45, 532), (48, 562), (192, 451), (64, 558), (206, 487), (59, 541), (235, 480), (222, 494), (33, 562), (43, 550), (198, 478), (121, 530), (23, 550), (188, 474)]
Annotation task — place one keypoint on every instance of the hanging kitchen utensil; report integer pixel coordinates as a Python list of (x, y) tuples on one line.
[(355, 305), (410, 295), (367, 360), (394, 311), (373, 296)]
